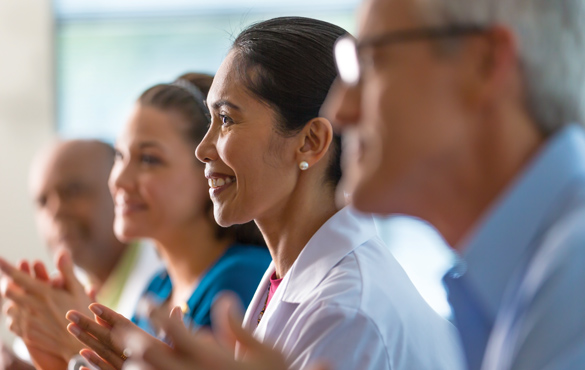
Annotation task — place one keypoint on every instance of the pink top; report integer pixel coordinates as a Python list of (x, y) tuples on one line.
[(274, 283)]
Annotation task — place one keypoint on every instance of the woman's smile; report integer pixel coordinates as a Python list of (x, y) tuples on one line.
[(218, 182)]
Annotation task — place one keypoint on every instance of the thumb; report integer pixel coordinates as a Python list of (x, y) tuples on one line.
[(176, 314), (57, 280), (227, 321), (91, 292), (64, 264)]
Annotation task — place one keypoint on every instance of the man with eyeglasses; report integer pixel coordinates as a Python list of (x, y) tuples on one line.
[(467, 113)]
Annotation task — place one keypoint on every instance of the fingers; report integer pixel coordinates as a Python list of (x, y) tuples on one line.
[(96, 361), (40, 271), (230, 321), (22, 279), (24, 266), (191, 350), (176, 314), (174, 329), (86, 324), (64, 264), (109, 316), (91, 293), (103, 349), (14, 326), (14, 293), (57, 281), (225, 308), (157, 354)]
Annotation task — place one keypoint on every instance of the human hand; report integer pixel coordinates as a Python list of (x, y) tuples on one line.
[(36, 308), (105, 336), (204, 350)]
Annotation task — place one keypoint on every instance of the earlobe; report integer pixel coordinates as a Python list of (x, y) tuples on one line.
[(316, 139)]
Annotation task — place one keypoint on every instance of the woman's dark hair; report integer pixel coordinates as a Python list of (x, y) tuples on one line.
[(288, 63), (185, 96)]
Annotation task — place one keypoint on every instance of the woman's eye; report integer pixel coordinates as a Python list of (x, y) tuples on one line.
[(149, 159), (225, 120)]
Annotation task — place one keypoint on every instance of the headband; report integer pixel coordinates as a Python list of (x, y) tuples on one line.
[(194, 92)]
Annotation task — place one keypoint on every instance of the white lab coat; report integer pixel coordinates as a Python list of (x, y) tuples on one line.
[(347, 301)]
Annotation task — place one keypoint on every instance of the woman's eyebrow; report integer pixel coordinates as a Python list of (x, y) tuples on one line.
[(149, 144), (224, 103)]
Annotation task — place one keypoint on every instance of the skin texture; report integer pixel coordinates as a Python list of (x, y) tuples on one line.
[(193, 351), (35, 309), (436, 134), (160, 192), (287, 204), (74, 208), (439, 131), (74, 213)]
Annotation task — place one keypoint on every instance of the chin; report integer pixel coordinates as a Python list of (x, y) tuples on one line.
[(369, 199), (127, 233), (224, 218)]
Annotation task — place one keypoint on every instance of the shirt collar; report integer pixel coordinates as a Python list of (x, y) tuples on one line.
[(505, 237), (339, 236)]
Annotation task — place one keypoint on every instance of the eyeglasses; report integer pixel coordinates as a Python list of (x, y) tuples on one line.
[(347, 48)]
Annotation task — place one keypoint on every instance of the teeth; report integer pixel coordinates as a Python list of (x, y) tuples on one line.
[(219, 182)]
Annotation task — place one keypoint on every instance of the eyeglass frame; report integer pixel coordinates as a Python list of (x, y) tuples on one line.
[(395, 37)]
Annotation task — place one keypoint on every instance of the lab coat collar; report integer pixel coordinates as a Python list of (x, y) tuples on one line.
[(339, 236)]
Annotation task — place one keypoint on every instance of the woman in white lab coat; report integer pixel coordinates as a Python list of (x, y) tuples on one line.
[(333, 292)]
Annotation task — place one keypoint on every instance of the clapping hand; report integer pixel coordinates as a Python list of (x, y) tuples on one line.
[(35, 306), (204, 350)]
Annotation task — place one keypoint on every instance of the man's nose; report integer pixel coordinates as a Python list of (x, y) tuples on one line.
[(342, 105)]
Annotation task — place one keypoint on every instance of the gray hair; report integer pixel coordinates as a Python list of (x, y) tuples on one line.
[(551, 41)]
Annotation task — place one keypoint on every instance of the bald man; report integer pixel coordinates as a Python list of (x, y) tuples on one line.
[(74, 208), (75, 212)]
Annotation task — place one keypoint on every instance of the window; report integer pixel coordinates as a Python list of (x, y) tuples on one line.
[(109, 51)]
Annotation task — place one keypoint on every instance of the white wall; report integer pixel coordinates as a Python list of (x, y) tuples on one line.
[(26, 118)]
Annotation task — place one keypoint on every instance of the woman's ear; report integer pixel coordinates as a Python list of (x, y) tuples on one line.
[(315, 138)]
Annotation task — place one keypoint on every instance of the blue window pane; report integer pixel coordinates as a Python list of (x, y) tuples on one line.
[(104, 64)]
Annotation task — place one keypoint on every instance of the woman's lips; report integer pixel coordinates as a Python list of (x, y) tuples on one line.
[(129, 208), (219, 182)]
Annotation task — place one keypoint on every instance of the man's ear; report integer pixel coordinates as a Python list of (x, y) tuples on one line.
[(491, 64), (315, 140)]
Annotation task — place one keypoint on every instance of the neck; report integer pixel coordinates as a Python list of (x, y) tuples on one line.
[(290, 227), (108, 258), (470, 188), (188, 253)]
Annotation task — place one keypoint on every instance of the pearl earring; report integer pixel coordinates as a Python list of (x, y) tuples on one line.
[(303, 165)]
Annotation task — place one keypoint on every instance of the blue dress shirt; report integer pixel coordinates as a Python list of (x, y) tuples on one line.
[(238, 270), (518, 289)]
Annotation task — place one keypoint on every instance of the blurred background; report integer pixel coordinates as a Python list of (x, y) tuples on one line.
[(73, 68)]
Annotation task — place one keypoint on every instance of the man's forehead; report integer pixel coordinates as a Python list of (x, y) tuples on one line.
[(68, 165), (380, 16)]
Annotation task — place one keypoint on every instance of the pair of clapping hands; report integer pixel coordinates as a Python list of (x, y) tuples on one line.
[(52, 316)]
